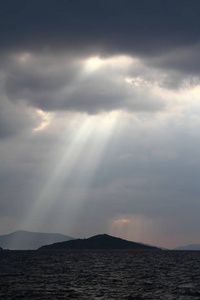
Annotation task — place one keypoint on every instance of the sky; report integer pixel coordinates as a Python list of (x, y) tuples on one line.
[(99, 118)]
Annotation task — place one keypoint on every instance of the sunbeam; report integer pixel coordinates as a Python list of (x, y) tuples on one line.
[(76, 166), (103, 130)]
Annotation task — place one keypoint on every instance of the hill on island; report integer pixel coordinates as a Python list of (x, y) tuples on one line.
[(101, 242), (27, 240), (1, 249)]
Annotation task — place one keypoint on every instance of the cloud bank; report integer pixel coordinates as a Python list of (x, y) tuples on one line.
[(99, 118)]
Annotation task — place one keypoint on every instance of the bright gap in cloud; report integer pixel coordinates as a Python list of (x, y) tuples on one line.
[(44, 120), (92, 64), (96, 63)]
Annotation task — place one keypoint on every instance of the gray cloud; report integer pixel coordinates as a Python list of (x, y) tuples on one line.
[(14, 119), (183, 59), (99, 118), (67, 86), (179, 65)]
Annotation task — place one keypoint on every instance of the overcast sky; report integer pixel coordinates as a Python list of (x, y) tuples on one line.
[(99, 118)]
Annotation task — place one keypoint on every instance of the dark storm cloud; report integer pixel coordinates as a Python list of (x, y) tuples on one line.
[(164, 35), (145, 28)]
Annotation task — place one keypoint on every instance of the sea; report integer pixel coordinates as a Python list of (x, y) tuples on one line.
[(101, 274)]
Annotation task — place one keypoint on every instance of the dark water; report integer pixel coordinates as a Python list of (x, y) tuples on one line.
[(100, 275)]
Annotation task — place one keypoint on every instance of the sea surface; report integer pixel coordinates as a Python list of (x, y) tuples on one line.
[(100, 275)]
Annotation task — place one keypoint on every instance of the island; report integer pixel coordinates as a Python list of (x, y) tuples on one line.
[(101, 242)]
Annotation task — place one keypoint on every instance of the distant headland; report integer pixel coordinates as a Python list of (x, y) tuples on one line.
[(27, 240)]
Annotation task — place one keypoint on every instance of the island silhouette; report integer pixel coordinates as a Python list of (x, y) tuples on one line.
[(101, 242)]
